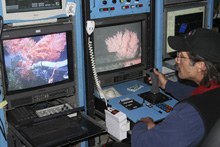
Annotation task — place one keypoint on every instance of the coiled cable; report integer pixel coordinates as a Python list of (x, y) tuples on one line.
[(96, 79)]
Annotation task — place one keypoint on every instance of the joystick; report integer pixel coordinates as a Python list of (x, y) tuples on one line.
[(155, 81), (154, 96)]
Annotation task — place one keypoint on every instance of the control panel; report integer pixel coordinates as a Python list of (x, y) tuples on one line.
[(53, 110), (111, 8), (135, 107), (50, 95)]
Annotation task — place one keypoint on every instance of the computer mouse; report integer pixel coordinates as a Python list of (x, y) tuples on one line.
[(110, 93)]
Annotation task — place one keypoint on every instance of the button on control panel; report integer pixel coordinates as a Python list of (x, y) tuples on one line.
[(164, 107)]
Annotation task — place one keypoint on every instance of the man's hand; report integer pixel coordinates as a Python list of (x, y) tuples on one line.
[(162, 79), (149, 122)]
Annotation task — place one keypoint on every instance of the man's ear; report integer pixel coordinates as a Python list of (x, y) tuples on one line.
[(201, 66)]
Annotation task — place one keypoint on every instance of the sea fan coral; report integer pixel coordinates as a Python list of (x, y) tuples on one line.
[(124, 45), (48, 48)]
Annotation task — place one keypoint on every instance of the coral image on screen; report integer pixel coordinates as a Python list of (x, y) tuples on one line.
[(117, 46), (35, 61)]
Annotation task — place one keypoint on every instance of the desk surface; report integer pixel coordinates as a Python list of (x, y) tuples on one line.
[(154, 112)]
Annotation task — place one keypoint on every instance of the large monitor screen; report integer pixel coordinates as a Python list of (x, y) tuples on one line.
[(122, 48), (35, 61), (117, 46), (181, 20)]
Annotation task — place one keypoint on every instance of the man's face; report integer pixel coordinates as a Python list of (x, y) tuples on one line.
[(185, 68)]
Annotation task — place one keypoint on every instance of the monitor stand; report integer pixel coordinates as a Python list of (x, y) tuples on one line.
[(154, 96)]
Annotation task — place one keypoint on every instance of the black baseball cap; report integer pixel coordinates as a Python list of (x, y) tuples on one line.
[(201, 41)]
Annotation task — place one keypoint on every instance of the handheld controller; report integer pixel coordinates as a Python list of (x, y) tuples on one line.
[(154, 96), (155, 87)]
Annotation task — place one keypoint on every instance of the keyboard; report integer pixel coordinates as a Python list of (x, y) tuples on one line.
[(53, 131)]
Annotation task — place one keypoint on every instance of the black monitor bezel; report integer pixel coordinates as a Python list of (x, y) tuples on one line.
[(177, 7), (25, 95), (146, 61)]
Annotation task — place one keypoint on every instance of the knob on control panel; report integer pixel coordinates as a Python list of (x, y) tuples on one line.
[(114, 1), (104, 2)]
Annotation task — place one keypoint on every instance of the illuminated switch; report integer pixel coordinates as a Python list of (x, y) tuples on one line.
[(141, 5), (167, 110), (132, 6), (126, 7), (112, 8), (121, 1), (105, 9), (123, 7), (101, 10)]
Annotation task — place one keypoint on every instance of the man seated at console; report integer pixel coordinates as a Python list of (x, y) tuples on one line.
[(198, 59)]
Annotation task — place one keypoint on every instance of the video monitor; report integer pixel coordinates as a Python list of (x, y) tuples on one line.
[(122, 48), (20, 12), (37, 63), (179, 20), (13, 6)]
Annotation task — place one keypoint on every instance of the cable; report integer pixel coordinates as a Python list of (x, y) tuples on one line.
[(90, 27), (77, 145), (3, 130), (107, 141), (1, 28), (91, 53)]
